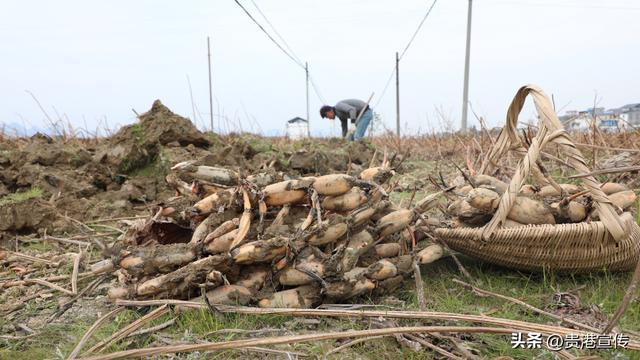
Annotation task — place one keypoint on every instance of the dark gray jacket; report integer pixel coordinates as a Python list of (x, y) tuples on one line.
[(349, 109)]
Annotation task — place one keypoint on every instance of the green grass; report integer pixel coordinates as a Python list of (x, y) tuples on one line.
[(604, 290), (151, 169), (138, 132), (20, 196), (158, 167), (131, 165), (38, 246), (260, 144)]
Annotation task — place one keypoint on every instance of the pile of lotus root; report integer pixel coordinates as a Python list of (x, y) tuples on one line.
[(479, 197), (273, 241)]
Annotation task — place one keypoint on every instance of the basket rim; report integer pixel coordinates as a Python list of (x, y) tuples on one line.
[(525, 226), (587, 230)]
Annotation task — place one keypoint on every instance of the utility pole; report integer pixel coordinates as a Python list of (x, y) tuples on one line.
[(210, 86), (397, 94), (306, 70), (465, 94)]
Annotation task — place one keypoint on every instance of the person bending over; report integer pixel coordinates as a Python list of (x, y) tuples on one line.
[(346, 110)]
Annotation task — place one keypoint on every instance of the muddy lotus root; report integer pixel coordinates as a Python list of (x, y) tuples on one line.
[(287, 243)]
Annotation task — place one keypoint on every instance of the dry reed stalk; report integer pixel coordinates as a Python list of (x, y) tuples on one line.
[(64, 241), (8, 284), (50, 285), (435, 348), (465, 352), (32, 258), (419, 286), (62, 308), (606, 171), (74, 275), (287, 354), (626, 300), (124, 332), (153, 329), (634, 344), (116, 219), (524, 304), (91, 330), (350, 344), (293, 339)]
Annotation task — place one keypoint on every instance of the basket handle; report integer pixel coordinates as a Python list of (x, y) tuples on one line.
[(550, 130)]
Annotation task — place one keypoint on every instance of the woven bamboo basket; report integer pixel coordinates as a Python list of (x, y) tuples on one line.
[(611, 244)]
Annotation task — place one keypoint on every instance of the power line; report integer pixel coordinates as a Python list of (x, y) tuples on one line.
[(277, 33), (415, 33), (418, 29), (291, 55), (316, 91), (385, 87), (269, 35)]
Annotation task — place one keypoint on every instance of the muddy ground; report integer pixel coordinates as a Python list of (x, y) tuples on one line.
[(123, 175), (59, 195)]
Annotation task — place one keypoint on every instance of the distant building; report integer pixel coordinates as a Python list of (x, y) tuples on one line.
[(630, 113), (297, 128), (606, 120)]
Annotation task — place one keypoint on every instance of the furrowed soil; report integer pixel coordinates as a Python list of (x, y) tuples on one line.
[(60, 196)]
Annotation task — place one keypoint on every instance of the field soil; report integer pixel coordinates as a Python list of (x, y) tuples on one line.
[(63, 197)]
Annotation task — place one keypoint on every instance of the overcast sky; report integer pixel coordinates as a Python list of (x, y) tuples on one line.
[(93, 61)]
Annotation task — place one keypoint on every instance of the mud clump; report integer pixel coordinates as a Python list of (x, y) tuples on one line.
[(335, 155), (360, 152), (27, 216), (238, 154), (42, 150), (314, 161), (46, 164), (138, 144)]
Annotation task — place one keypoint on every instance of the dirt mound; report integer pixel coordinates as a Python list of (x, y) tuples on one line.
[(124, 174), (138, 144), (161, 125)]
